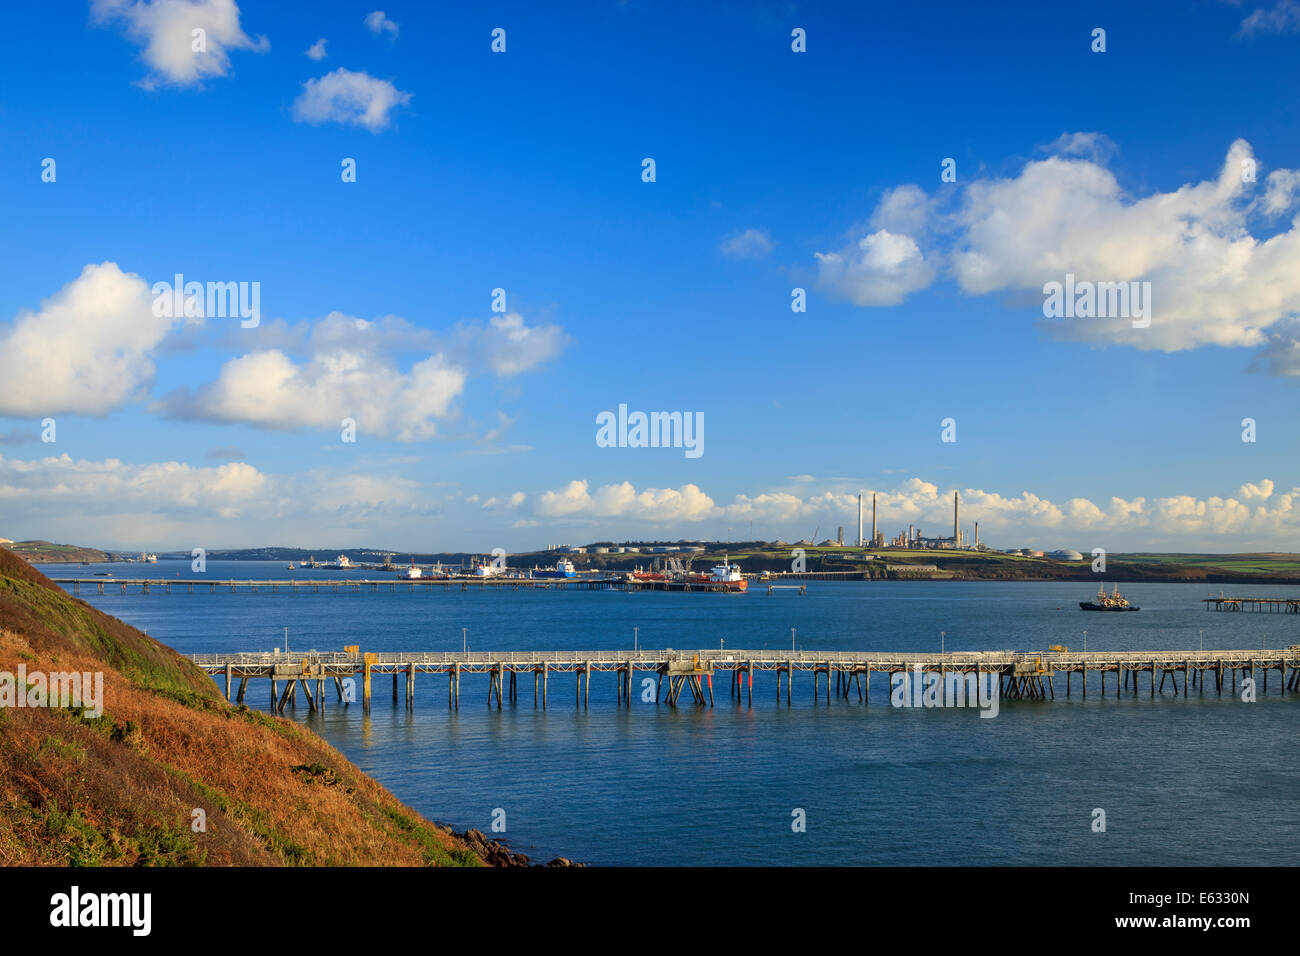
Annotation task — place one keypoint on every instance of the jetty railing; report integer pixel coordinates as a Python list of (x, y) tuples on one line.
[(716, 656)]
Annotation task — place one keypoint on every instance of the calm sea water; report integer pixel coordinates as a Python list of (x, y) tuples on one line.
[(1182, 781)]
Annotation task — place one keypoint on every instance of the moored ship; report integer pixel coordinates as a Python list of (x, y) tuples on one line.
[(1108, 602), (727, 577), (563, 569)]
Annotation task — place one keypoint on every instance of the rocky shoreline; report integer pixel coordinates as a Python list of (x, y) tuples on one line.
[(496, 853)]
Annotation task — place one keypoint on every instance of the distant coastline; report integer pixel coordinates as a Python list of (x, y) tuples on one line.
[(852, 563)]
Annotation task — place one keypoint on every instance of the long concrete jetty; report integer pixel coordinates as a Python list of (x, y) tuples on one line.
[(335, 585), (1020, 674), (234, 585)]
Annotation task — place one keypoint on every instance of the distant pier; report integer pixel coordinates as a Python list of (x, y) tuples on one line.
[(1020, 674), (1262, 605), (335, 585)]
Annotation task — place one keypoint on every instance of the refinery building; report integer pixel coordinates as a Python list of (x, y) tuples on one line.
[(913, 538)]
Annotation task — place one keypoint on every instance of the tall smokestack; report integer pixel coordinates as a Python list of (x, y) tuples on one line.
[(956, 509), (860, 541), (977, 535), (873, 518)]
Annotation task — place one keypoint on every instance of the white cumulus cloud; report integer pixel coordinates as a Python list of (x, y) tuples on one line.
[(120, 504), (622, 500), (1256, 517), (750, 244), (183, 41), (1213, 281), (350, 97), (879, 269), (315, 374), (56, 482), (88, 349), (1252, 491), (273, 390), (507, 345), (377, 23), (1280, 18)]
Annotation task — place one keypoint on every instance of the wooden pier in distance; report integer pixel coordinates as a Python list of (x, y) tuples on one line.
[(1020, 674), (1263, 605)]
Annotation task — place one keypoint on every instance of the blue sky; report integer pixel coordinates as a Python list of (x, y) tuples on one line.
[(522, 170)]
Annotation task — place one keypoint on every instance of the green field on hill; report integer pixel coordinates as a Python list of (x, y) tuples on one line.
[(1262, 563)]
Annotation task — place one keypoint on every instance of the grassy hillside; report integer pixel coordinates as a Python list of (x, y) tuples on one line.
[(120, 789), (44, 551)]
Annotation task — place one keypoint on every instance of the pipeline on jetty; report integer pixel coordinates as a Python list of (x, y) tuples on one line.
[(1021, 674)]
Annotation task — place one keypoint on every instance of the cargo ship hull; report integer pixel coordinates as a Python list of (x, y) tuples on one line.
[(647, 584)]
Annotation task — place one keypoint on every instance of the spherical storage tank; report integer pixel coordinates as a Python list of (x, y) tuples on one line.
[(1065, 554)]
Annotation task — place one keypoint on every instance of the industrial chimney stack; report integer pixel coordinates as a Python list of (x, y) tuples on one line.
[(873, 519), (860, 541), (956, 532)]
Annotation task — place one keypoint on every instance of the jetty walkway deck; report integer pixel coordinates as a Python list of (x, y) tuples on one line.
[(1020, 674)]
